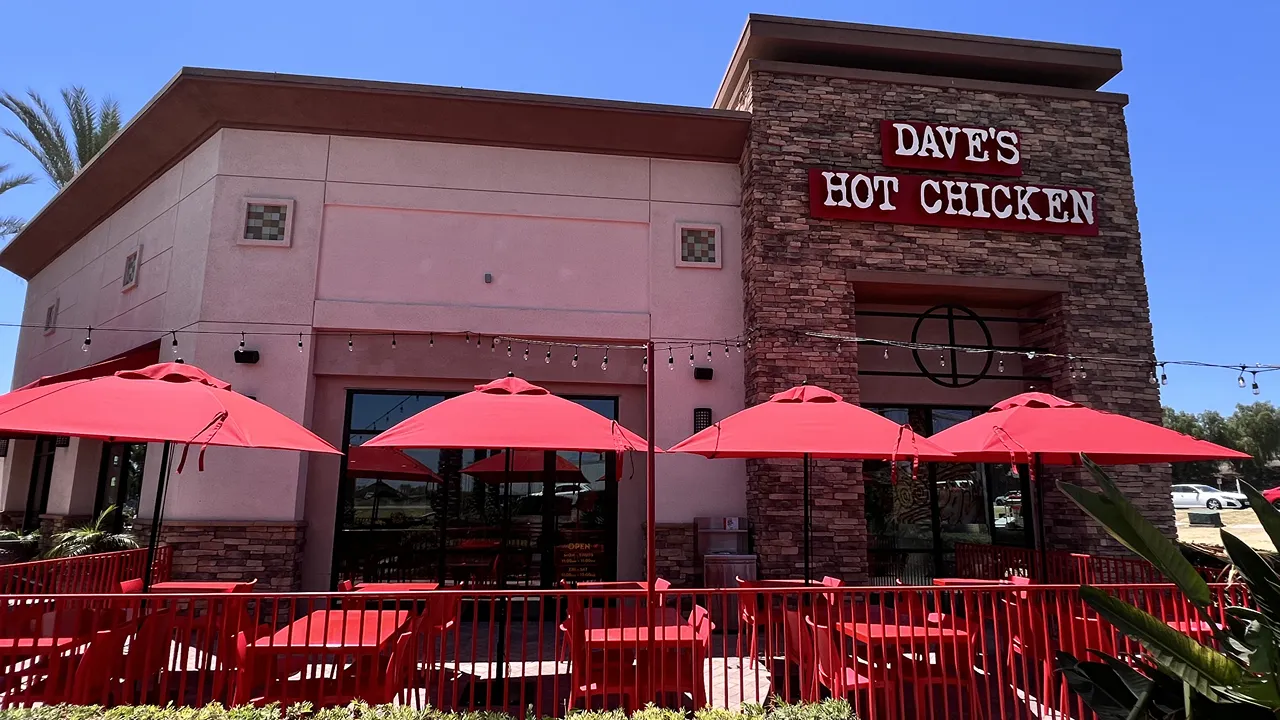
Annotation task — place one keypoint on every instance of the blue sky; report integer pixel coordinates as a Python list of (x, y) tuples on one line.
[(1202, 117)]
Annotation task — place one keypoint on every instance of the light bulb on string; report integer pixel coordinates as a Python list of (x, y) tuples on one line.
[(1000, 366), (739, 348), (726, 352), (174, 345), (708, 354), (1240, 380), (690, 356), (547, 359), (644, 363), (350, 343), (478, 341), (1164, 379), (886, 353), (88, 340), (942, 359), (1072, 364), (393, 341), (508, 348), (1256, 390), (468, 338), (1031, 354), (299, 342), (671, 359), (1152, 379), (431, 340), (526, 351), (575, 357), (493, 345), (1083, 373), (604, 364)]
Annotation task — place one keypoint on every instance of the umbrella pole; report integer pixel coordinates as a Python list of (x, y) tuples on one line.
[(1037, 479), (808, 574), (161, 481)]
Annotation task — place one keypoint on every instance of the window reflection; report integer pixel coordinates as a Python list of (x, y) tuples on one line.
[(474, 515)]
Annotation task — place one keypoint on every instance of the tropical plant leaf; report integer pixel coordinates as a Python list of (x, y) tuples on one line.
[(1137, 683), (92, 126), (1201, 667), (1098, 686), (1257, 573), (1268, 516), (1118, 516)]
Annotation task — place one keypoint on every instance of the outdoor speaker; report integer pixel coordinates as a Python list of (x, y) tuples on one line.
[(247, 357), (701, 419), (702, 373)]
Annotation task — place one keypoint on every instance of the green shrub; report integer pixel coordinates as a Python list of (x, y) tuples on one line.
[(826, 710)]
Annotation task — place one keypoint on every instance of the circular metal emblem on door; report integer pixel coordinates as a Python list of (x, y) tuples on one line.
[(958, 320)]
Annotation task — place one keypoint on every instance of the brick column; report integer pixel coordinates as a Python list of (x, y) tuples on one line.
[(233, 550), (676, 554)]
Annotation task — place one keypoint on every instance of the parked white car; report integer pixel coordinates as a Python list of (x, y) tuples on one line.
[(1206, 496)]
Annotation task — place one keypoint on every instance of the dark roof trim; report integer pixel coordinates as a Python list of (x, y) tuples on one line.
[(920, 52), (896, 78), (198, 102)]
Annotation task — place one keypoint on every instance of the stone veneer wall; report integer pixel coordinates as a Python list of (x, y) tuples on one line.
[(229, 550), (675, 554), (795, 280)]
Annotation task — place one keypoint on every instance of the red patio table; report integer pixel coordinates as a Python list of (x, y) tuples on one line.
[(195, 586), (392, 587), (945, 582), (669, 630), (14, 649), (879, 633), (369, 630)]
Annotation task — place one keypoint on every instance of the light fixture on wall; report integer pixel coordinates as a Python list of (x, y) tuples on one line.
[(701, 419)]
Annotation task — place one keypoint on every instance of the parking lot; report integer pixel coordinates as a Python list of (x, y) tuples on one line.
[(1241, 523)]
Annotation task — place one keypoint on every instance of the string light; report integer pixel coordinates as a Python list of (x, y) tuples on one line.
[(431, 340), (999, 366), (1153, 379), (508, 348), (708, 354), (174, 345), (468, 338), (1071, 363), (526, 351), (1031, 354), (1083, 373), (478, 339), (690, 356), (644, 364), (604, 364), (726, 352), (88, 339), (393, 341), (299, 342), (493, 345), (739, 348), (1240, 380), (1256, 390), (942, 360), (1164, 379), (886, 353), (351, 346), (547, 359), (671, 359), (575, 357)]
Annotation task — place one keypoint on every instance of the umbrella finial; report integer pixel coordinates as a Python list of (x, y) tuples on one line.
[(510, 374)]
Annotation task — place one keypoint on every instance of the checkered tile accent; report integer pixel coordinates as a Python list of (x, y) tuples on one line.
[(698, 245), (265, 222)]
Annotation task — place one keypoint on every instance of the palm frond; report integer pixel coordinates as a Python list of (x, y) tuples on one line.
[(83, 114), (90, 539), (108, 123), (10, 225), (47, 141), (9, 182)]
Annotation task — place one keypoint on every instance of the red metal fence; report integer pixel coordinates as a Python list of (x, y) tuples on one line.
[(996, 562), (975, 652), (100, 573)]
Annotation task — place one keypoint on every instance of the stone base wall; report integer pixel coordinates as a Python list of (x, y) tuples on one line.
[(230, 550), (11, 519), (837, 502), (675, 554)]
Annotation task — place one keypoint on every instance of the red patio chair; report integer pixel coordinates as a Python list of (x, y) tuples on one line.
[(131, 586), (682, 669), (799, 652), (346, 586), (88, 678), (758, 616), (245, 587), (596, 673), (838, 672)]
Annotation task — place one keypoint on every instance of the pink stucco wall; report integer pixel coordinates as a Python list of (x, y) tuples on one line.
[(397, 236)]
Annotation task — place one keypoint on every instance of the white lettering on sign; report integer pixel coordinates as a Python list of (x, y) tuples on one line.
[(859, 190), (959, 148)]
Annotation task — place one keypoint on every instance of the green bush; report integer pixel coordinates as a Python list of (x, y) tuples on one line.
[(826, 710)]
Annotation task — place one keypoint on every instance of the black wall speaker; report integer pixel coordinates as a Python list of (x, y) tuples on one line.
[(247, 357), (702, 373)]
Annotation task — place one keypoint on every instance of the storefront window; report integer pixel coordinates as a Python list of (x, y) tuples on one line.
[(915, 521), (120, 483), (473, 515), (41, 477)]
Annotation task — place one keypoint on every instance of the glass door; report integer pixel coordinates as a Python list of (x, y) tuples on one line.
[(41, 477), (120, 483)]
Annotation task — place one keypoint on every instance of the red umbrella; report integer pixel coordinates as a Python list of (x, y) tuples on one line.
[(526, 466), (1038, 426), (513, 414), (387, 464), (810, 422), (168, 402)]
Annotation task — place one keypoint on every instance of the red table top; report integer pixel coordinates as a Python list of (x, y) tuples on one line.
[(670, 632), (379, 587), (39, 643), (968, 581), (194, 586), (876, 632), (367, 629)]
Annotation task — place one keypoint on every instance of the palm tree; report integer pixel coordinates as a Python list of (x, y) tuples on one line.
[(92, 127), (10, 225), (95, 537)]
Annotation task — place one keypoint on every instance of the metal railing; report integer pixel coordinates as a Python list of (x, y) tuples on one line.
[(904, 652), (98, 573), (996, 562)]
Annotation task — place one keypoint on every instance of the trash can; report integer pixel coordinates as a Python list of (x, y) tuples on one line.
[(721, 570)]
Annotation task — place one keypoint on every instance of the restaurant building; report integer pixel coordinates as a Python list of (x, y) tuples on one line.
[(901, 185)]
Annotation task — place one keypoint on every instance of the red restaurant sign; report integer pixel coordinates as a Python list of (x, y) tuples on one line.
[(918, 200), (946, 202), (950, 148)]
